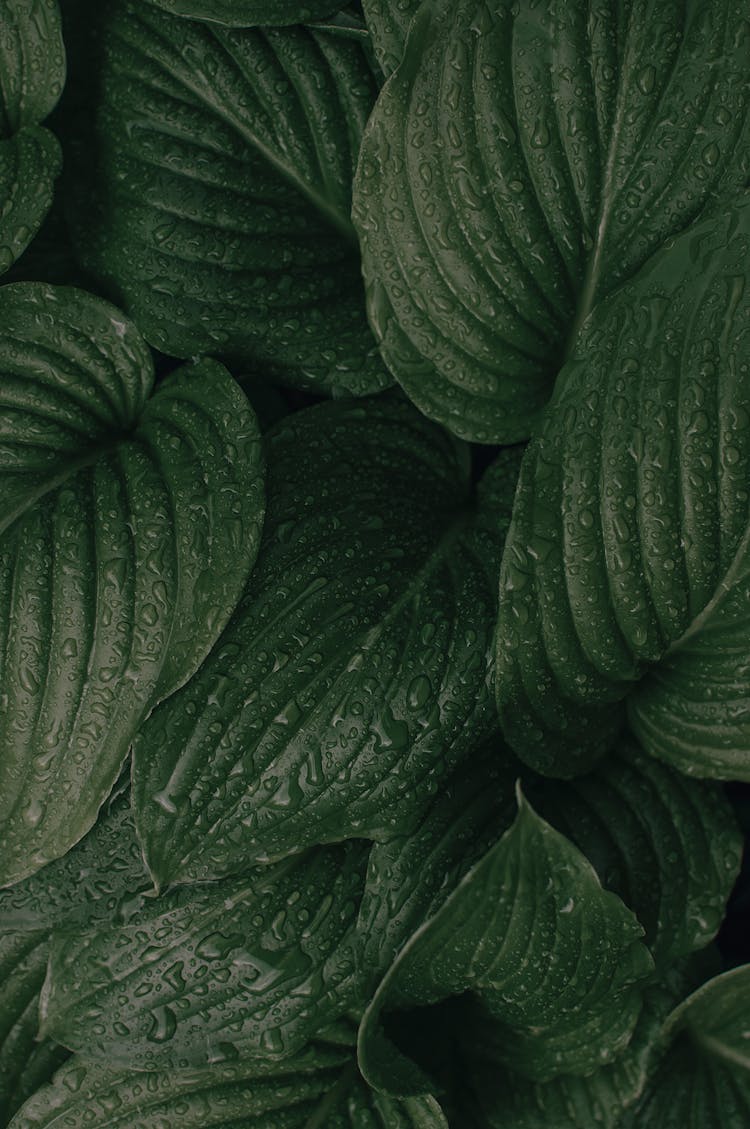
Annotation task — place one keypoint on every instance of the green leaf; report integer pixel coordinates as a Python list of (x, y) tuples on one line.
[(127, 529), (249, 967), (353, 676), (217, 205), (250, 13), (388, 22), (704, 1081), (523, 161), (409, 877), (626, 570), (25, 1063), (668, 846), (318, 1089), (552, 962), (32, 73)]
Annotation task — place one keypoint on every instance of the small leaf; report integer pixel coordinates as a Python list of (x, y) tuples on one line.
[(25, 1063), (523, 161), (353, 676), (626, 572), (704, 1080), (318, 1089), (127, 529), (668, 846), (218, 202), (552, 961), (250, 967)]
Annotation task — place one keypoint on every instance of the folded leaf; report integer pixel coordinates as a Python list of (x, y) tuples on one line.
[(250, 13), (25, 1064), (32, 73), (318, 1089), (353, 676), (704, 1081), (127, 529), (217, 201), (388, 21), (668, 846), (628, 556), (250, 967), (552, 961), (524, 160)]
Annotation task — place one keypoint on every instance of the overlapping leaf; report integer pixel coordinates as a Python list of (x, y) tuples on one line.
[(668, 846), (353, 676), (250, 967), (25, 1063), (553, 963), (388, 22), (32, 73), (128, 529), (704, 1080), (627, 558), (318, 1089), (250, 13), (217, 201), (522, 162)]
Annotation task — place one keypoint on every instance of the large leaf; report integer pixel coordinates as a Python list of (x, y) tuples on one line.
[(388, 22), (250, 13), (318, 1089), (25, 1063), (353, 676), (553, 963), (127, 529), (32, 72), (668, 846), (249, 967), (704, 1081), (523, 161), (628, 557), (220, 191)]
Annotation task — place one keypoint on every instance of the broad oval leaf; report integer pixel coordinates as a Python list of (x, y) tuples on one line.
[(523, 161), (251, 13), (218, 202), (32, 70), (552, 961), (704, 1080), (627, 557), (127, 529), (353, 676), (251, 967), (317, 1089), (668, 846), (25, 1062)]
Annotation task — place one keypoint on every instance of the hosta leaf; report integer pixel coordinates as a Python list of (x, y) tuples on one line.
[(318, 1089), (250, 13), (353, 675), (408, 878), (219, 207), (388, 21), (523, 161), (32, 72), (668, 846), (128, 527), (25, 1064), (628, 556), (704, 1081), (249, 967), (551, 959)]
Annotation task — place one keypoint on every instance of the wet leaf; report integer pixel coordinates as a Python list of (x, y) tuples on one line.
[(128, 527), (250, 13)]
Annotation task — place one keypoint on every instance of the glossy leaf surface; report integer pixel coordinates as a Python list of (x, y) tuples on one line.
[(128, 527), (524, 160), (353, 675), (553, 963), (218, 207), (250, 13), (388, 22), (250, 967), (626, 568)]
